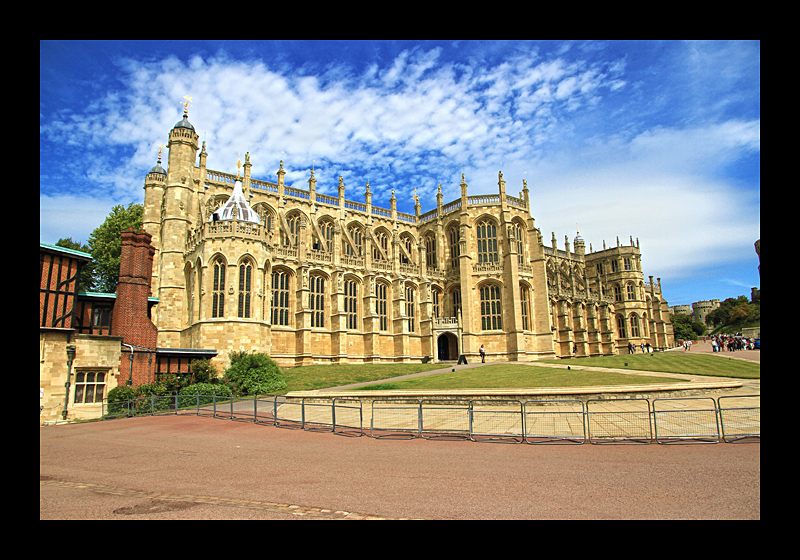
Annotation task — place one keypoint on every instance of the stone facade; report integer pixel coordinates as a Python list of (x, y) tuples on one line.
[(324, 279)]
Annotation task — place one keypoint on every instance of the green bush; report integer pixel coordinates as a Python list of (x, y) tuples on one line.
[(251, 374), (118, 399), (148, 389), (205, 390), (203, 371), (121, 393)]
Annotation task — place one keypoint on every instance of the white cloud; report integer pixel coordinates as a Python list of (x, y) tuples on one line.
[(415, 122), (657, 186)]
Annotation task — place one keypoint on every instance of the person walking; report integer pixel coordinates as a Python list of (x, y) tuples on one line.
[(483, 354)]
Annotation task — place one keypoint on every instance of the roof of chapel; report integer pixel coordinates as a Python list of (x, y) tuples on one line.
[(237, 206)]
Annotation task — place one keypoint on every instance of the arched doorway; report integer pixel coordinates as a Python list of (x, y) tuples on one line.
[(447, 347)]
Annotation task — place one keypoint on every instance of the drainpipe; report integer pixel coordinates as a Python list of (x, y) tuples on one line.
[(130, 375), (70, 358)]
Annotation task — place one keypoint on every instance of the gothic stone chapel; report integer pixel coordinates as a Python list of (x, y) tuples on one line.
[(246, 264)]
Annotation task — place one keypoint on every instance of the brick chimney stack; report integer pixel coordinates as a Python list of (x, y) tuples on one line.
[(131, 320)]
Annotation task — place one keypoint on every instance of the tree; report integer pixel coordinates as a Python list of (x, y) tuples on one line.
[(682, 327), (105, 243), (739, 313), (734, 311)]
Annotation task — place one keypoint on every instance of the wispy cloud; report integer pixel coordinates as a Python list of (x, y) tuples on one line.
[(622, 139)]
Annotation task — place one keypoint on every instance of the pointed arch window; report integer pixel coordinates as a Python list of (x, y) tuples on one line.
[(245, 289), (621, 327), (218, 289), (454, 238), (294, 230), (436, 296), (316, 301), (356, 236), (487, 241), (382, 240), (430, 251), (407, 244), (456, 302), (634, 326), (410, 308), (523, 298), (351, 303), (491, 308), (326, 243), (519, 242), (382, 291), (280, 298)]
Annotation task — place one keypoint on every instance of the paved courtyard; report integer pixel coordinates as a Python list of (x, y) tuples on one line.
[(190, 467)]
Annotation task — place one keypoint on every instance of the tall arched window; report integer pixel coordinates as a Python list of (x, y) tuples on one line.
[(410, 308), (491, 308), (455, 249), (316, 301), (523, 298), (381, 240), (487, 241), (430, 251), (634, 326), (408, 243), (382, 291), (456, 302), (436, 296), (355, 235), (621, 327), (519, 241), (245, 289), (631, 292), (326, 243), (280, 298), (351, 303), (218, 289), (293, 222)]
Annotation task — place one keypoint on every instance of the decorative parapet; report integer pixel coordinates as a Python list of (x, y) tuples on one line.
[(490, 268)]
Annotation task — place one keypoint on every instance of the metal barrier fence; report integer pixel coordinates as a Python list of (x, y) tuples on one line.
[(688, 420), (608, 424), (740, 423), (567, 421)]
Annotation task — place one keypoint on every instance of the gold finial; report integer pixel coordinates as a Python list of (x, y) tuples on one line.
[(160, 151), (238, 164), (186, 103)]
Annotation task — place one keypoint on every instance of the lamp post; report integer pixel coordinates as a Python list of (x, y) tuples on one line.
[(70, 358)]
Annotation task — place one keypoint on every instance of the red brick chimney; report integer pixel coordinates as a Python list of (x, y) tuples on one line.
[(130, 319)]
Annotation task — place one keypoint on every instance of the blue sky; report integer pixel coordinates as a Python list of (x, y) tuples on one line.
[(660, 141)]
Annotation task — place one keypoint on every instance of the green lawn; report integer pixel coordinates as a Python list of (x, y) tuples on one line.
[(516, 376), (308, 378), (676, 362)]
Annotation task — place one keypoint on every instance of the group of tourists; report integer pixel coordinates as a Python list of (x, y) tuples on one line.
[(730, 343), (646, 348)]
